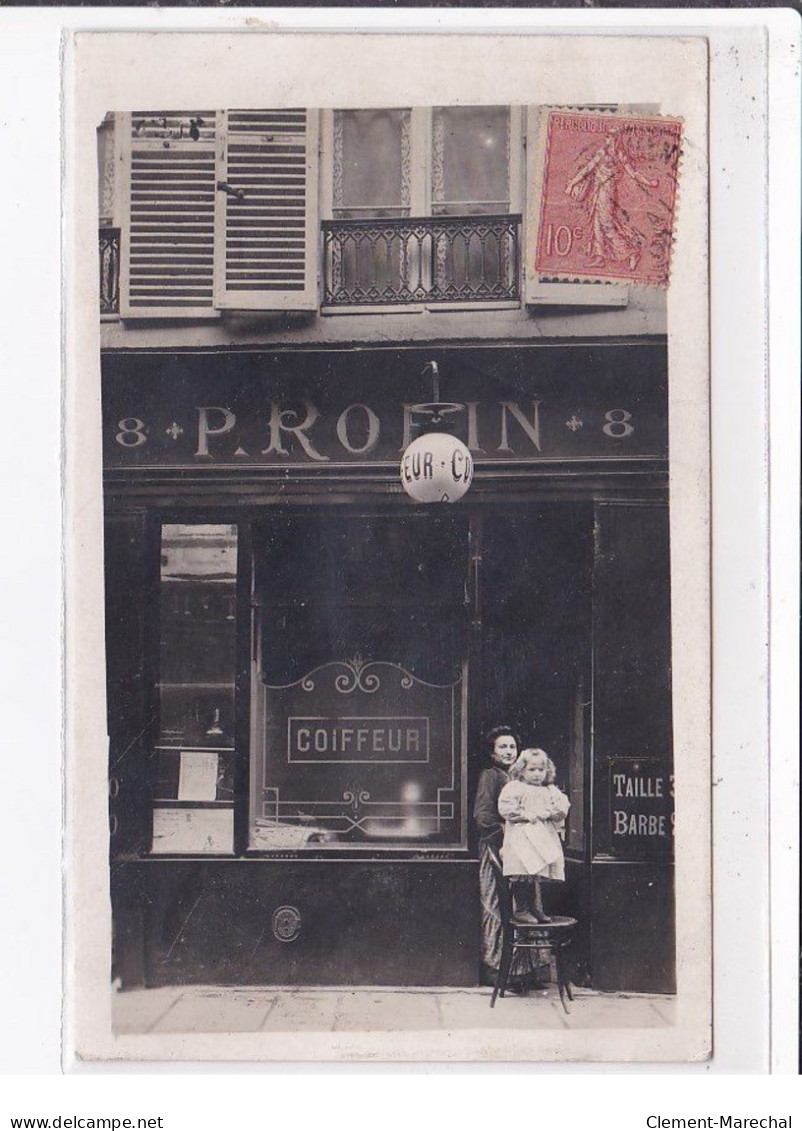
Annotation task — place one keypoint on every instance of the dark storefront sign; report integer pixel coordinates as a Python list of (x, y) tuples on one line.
[(315, 410), (641, 808)]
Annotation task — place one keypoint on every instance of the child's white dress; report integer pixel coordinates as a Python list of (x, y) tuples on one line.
[(532, 845)]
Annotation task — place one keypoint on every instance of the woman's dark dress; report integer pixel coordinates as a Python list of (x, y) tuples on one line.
[(491, 831)]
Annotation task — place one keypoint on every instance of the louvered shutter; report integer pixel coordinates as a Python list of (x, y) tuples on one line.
[(267, 212), (169, 165)]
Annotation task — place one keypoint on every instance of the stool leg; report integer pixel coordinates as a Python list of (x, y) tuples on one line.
[(566, 979), (499, 976), (505, 962), (562, 984), (498, 982), (507, 957)]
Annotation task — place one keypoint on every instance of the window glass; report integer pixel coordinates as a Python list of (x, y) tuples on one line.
[(398, 171), (470, 160), (371, 163), (194, 766), (359, 682)]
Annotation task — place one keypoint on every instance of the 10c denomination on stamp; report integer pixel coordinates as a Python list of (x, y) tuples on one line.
[(608, 197)]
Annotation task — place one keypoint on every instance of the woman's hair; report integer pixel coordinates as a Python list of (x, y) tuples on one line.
[(498, 732), (526, 758)]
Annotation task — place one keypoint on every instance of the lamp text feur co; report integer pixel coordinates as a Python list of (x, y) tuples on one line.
[(436, 468)]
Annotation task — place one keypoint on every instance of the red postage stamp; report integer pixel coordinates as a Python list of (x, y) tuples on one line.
[(608, 197)]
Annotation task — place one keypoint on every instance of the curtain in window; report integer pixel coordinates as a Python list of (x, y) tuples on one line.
[(371, 163), (470, 160)]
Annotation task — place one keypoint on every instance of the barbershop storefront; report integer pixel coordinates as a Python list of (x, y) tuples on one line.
[(302, 661)]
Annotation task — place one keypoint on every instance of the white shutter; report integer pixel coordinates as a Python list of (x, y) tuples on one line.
[(267, 214), (167, 237)]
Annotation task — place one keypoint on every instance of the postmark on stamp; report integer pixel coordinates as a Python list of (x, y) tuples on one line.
[(608, 197)]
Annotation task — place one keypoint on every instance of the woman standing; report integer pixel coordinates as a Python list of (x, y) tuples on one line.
[(502, 746)]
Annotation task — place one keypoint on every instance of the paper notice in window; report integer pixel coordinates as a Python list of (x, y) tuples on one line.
[(195, 831), (197, 775), (271, 835)]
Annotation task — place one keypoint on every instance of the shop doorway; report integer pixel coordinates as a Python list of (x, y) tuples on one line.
[(536, 638)]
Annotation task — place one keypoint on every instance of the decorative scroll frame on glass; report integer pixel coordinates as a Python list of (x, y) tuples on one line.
[(360, 755)]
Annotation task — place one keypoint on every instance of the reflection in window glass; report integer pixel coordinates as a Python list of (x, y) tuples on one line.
[(335, 588)]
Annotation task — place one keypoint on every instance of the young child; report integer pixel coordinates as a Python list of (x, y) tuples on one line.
[(534, 812)]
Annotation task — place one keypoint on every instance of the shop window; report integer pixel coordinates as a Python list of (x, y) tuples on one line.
[(633, 736), (358, 684), (194, 757)]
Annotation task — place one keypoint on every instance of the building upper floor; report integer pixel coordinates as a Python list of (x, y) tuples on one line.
[(306, 226)]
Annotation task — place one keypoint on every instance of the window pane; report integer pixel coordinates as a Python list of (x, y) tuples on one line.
[(193, 781), (197, 648), (470, 160), (371, 163), (358, 707)]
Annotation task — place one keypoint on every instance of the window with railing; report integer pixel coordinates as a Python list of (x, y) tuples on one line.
[(421, 207), (208, 211)]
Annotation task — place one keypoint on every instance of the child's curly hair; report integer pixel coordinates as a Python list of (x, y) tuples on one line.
[(526, 758)]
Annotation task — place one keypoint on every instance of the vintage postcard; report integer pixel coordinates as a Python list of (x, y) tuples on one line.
[(388, 602)]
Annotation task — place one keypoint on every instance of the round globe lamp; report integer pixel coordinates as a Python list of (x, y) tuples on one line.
[(436, 468)]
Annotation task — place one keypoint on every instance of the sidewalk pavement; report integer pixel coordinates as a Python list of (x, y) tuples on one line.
[(260, 1009)]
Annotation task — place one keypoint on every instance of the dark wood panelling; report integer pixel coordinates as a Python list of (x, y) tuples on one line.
[(129, 590), (632, 904), (632, 651), (410, 923), (632, 915)]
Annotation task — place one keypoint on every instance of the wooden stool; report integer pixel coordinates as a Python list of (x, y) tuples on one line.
[(553, 936)]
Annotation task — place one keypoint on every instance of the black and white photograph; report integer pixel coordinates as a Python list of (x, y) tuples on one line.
[(400, 663)]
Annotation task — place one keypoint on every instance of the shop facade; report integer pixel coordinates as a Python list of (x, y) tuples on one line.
[(302, 661), (309, 659)]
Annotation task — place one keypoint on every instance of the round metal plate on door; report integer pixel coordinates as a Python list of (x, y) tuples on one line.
[(286, 924)]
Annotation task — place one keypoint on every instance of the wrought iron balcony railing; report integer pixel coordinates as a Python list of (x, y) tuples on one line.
[(454, 259), (442, 259)]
